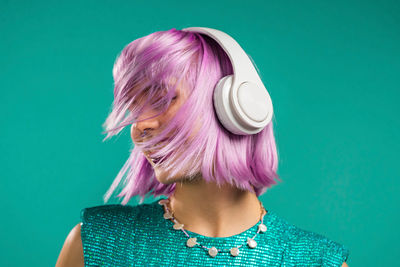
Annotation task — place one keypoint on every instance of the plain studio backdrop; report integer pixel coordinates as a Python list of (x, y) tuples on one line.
[(332, 70)]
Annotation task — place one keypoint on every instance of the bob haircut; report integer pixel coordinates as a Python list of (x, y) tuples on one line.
[(144, 70)]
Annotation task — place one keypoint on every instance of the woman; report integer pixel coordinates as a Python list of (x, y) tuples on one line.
[(212, 177)]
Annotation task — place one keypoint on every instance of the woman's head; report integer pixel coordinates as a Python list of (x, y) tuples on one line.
[(165, 82)]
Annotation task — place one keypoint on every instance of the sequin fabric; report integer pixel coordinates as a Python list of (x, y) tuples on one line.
[(118, 235)]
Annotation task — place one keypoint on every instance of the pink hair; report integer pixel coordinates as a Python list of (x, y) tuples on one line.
[(147, 65)]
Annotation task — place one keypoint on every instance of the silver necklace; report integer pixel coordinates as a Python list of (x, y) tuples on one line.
[(213, 251)]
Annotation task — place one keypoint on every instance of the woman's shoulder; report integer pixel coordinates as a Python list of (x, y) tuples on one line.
[(114, 212), (298, 241), (106, 210), (112, 227)]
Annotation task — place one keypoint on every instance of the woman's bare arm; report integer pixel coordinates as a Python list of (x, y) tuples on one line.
[(72, 251)]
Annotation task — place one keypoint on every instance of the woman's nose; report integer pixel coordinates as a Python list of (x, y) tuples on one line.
[(148, 125)]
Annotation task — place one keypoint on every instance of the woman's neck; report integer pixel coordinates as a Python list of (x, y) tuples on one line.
[(215, 211)]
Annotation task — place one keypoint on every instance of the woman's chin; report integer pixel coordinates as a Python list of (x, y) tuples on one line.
[(163, 176)]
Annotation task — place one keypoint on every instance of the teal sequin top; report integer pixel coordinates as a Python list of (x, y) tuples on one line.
[(118, 235)]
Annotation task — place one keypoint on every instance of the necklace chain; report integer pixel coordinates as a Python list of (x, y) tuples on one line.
[(213, 251)]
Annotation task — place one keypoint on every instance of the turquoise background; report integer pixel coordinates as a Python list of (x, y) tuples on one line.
[(331, 67)]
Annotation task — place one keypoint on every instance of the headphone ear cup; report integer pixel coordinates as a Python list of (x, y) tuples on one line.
[(251, 101), (222, 105)]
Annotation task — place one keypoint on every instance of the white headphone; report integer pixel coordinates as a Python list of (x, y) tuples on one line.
[(241, 101)]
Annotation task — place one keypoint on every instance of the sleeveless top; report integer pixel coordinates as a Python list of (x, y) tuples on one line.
[(124, 235)]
